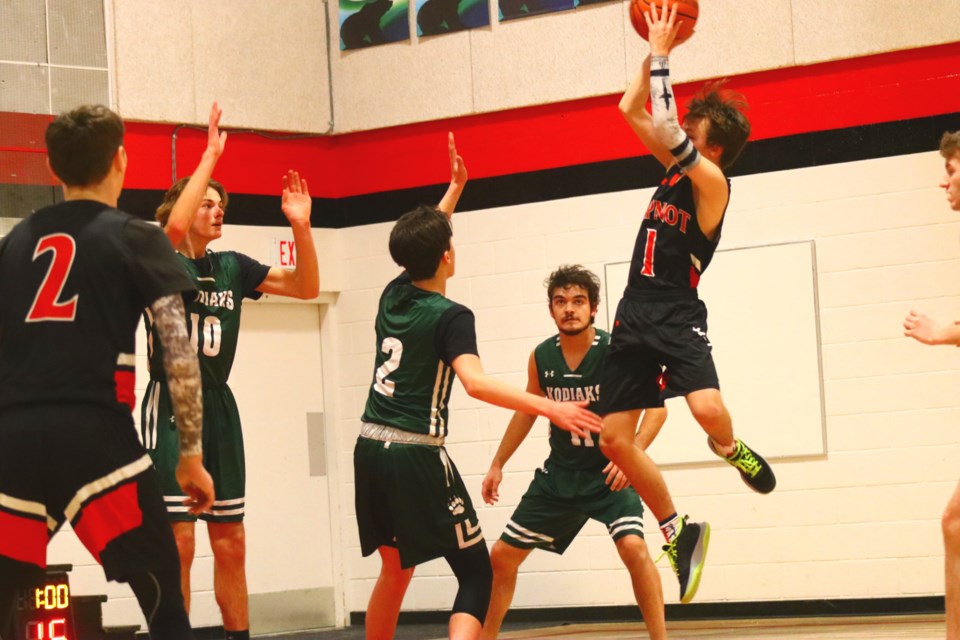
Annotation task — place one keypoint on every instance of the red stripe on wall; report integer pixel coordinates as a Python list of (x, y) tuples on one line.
[(107, 517), (23, 539), (871, 89)]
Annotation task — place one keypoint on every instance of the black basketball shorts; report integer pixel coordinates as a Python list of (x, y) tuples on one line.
[(659, 349)]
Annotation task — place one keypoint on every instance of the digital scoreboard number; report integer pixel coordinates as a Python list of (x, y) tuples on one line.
[(44, 611)]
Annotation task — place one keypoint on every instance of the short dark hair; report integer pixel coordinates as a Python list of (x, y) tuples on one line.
[(950, 144), (418, 240), (173, 193), (82, 143), (724, 110), (574, 275)]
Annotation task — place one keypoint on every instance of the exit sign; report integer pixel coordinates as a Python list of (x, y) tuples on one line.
[(284, 253)]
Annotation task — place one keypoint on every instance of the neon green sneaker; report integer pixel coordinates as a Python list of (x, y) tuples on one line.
[(687, 553), (754, 470)]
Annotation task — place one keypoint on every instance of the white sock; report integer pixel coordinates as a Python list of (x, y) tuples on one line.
[(669, 527)]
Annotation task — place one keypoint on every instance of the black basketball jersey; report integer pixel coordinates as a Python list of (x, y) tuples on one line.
[(671, 251), (74, 278)]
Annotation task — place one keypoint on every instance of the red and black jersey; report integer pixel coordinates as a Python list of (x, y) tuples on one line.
[(671, 251), (74, 279)]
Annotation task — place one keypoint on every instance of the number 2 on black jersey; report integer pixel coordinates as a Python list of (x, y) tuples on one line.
[(47, 305)]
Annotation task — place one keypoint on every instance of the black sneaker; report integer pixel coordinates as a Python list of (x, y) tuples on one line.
[(754, 470), (687, 553)]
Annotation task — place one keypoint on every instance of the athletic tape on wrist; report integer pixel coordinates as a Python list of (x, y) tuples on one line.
[(665, 122)]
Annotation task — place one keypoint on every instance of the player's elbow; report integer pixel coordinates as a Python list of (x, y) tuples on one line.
[(475, 386)]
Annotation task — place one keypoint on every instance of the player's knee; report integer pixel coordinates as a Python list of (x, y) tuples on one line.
[(228, 543), (950, 523), (708, 410), (474, 575), (632, 549), (503, 558), (186, 543), (613, 445)]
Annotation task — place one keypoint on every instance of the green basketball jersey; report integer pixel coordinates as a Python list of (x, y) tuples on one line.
[(213, 319), (559, 383), (411, 382)]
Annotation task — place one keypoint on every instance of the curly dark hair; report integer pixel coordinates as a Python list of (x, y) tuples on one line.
[(574, 275)]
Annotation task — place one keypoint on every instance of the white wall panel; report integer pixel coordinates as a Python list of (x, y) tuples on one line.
[(730, 38), (880, 389), (155, 63), (549, 58), (265, 63), (825, 30)]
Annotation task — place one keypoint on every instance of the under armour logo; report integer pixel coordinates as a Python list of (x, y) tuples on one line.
[(549, 374), (703, 334)]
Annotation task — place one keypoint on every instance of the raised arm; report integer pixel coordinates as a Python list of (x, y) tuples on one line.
[(458, 179), (710, 185), (517, 431), (633, 107), (569, 416), (183, 380), (185, 209), (304, 280)]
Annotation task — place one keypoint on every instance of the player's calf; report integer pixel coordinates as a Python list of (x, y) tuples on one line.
[(474, 575)]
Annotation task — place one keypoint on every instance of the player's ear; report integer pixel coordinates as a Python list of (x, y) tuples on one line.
[(120, 160), (56, 178)]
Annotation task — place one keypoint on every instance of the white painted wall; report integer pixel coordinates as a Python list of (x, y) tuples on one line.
[(269, 68), (861, 521)]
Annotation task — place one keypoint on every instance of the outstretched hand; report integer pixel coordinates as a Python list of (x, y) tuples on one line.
[(295, 200), (491, 485), (216, 139), (615, 477), (458, 170), (662, 28), (921, 328), (575, 418)]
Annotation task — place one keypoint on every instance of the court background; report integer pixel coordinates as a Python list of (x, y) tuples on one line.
[(856, 173)]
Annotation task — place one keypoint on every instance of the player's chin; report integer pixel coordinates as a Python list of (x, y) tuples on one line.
[(570, 329)]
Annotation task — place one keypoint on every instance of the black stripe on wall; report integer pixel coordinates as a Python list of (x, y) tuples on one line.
[(776, 154), (701, 611)]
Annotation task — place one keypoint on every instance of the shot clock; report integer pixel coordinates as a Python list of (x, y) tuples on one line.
[(44, 610)]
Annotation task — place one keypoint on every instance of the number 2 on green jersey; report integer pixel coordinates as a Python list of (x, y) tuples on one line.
[(395, 348)]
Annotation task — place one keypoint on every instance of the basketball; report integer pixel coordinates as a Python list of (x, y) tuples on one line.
[(687, 14)]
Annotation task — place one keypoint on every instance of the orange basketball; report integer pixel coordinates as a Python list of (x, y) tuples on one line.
[(687, 14)]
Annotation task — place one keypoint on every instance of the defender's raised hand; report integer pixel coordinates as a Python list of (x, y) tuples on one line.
[(295, 201)]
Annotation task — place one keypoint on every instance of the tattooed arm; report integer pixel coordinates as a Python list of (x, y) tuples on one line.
[(183, 381)]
